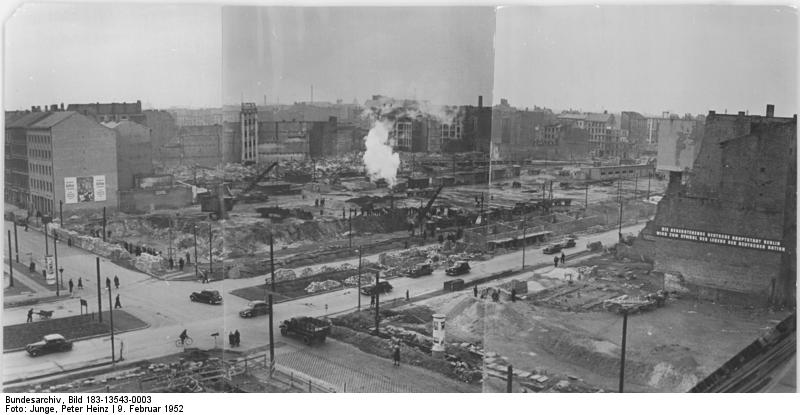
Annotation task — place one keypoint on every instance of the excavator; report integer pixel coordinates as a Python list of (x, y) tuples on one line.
[(246, 195)]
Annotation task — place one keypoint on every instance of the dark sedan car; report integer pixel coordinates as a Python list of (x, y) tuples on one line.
[(461, 267), (255, 308), (552, 249), (49, 344), (206, 296), (419, 270), (382, 288)]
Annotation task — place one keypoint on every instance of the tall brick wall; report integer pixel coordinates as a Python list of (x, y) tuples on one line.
[(84, 148), (742, 184)]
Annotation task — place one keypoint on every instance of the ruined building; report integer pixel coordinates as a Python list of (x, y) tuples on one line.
[(726, 230)]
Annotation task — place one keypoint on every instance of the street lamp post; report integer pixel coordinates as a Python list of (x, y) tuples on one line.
[(111, 321), (524, 240), (649, 176), (271, 263), (619, 193), (55, 253), (358, 294), (16, 244), (377, 301), (271, 338), (196, 276), (61, 213), (10, 263), (46, 242), (210, 256), (622, 356), (99, 298), (104, 223), (350, 229), (61, 271), (169, 249)]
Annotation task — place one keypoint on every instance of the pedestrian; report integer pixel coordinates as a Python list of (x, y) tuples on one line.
[(397, 354), (171, 263), (30, 316), (326, 309), (180, 264), (117, 304), (555, 261), (188, 259), (121, 348), (513, 295), (69, 241), (316, 202), (26, 226), (80, 283), (230, 338), (475, 291), (70, 286), (116, 282), (563, 258), (407, 296), (372, 300), (108, 283), (237, 338)]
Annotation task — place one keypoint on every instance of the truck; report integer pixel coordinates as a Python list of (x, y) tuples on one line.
[(310, 329)]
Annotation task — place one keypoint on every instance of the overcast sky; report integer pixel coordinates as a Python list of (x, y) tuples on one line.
[(444, 55), (644, 58), (648, 58), (78, 53)]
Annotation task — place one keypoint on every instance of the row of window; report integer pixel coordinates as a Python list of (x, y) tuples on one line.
[(41, 204), (41, 185), (42, 154), (40, 139), (39, 169), (603, 173)]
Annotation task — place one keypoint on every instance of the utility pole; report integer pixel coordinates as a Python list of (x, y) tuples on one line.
[(586, 197), (46, 242), (61, 213), (210, 256), (622, 357), (104, 223), (271, 337), (169, 249), (509, 378), (10, 263), (620, 210), (111, 320), (55, 253), (377, 301), (196, 276), (271, 267), (99, 298), (649, 176), (524, 240), (350, 229), (635, 182), (16, 244), (358, 294)]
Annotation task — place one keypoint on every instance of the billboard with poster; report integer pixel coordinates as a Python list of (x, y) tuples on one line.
[(84, 189)]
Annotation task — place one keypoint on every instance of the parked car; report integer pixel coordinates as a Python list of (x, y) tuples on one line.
[(552, 249), (50, 343), (310, 329), (382, 288), (460, 267), (255, 308), (420, 270), (569, 243), (206, 296)]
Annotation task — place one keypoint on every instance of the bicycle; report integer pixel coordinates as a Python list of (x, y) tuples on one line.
[(181, 343)]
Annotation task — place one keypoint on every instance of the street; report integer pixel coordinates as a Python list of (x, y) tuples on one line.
[(166, 307)]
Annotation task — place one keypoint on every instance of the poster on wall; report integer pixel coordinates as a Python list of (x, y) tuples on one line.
[(70, 190), (85, 189)]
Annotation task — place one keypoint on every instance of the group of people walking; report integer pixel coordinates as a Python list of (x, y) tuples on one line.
[(234, 338)]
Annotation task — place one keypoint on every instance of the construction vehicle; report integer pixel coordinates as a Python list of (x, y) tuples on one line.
[(250, 193), (425, 211), (310, 329)]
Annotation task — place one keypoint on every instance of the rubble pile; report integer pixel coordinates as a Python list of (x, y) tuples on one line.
[(150, 264), (284, 275), (318, 286), (366, 279)]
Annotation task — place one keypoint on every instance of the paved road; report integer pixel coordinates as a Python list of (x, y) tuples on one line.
[(166, 307)]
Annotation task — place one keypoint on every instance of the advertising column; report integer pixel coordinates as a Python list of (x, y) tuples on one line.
[(438, 335)]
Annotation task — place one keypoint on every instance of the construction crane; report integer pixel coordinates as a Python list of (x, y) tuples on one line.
[(423, 212), (254, 182)]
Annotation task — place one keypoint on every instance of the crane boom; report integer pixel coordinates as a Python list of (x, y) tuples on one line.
[(258, 178)]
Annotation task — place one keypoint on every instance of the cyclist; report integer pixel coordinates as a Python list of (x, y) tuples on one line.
[(183, 336)]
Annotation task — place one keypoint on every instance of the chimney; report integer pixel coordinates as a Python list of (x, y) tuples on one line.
[(741, 113), (480, 101), (770, 110)]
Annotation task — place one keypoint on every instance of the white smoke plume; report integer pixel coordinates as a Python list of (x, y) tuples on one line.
[(379, 159)]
